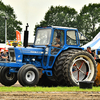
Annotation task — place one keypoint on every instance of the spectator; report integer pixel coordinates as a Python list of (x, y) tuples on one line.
[(4, 56), (95, 56), (89, 50)]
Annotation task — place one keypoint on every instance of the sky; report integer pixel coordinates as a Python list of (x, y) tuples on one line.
[(33, 11)]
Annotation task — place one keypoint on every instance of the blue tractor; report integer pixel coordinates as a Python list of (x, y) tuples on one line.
[(55, 58)]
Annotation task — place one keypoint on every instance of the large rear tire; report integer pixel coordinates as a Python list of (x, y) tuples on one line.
[(28, 75), (7, 78), (73, 66)]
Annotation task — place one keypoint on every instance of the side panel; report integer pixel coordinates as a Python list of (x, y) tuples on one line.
[(11, 64), (63, 49), (20, 52)]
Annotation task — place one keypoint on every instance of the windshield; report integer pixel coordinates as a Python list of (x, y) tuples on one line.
[(43, 37)]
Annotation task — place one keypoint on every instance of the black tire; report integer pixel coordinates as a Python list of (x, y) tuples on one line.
[(0, 70), (28, 75), (7, 78), (46, 81), (19, 74), (69, 63)]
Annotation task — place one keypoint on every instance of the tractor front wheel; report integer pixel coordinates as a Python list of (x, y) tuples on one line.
[(7, 78), (28, 75)]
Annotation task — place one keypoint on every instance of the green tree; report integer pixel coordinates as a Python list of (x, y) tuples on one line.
[(88, 20), (12, 23), (59, 16)]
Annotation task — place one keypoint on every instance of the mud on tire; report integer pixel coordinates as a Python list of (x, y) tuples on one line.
[(73, 66)]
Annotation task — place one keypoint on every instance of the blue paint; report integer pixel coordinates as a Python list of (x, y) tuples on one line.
[(37, 54)]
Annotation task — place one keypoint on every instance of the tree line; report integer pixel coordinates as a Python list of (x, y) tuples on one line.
[(7, 12), (86, 21)]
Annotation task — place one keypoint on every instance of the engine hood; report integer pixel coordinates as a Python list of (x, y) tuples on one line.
[(29, 51)]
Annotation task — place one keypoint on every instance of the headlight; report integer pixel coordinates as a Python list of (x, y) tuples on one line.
[(46, 50)]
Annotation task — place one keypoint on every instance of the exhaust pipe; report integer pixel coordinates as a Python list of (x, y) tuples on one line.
[(26, 32)]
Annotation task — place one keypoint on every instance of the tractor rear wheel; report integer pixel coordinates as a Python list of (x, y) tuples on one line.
[(28, 75), (7, 78), (73, 66)]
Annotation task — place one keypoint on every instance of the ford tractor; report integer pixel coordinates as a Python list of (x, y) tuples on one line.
[(55, 58)]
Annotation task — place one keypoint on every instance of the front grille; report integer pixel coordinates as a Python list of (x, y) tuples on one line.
[(12, 54)]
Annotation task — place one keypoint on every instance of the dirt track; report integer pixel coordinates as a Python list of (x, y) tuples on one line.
[(48, 95)]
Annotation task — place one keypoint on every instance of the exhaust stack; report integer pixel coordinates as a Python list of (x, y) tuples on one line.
[(26, 32)]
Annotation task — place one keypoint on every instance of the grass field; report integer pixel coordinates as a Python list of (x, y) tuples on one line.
[(47, 89)]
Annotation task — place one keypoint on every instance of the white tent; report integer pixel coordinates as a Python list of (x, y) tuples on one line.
[(94, 44)]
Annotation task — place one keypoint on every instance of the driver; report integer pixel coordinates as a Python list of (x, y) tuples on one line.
[(58, 43)]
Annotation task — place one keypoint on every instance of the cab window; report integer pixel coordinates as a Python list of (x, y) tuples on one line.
[(58, 34), (71, 37), (58, 41)]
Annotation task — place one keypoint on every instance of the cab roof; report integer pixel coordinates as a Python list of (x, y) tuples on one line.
[(63, 27), (60, 27)]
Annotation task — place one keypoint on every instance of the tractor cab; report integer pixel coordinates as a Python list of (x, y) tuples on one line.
[(56, 39)]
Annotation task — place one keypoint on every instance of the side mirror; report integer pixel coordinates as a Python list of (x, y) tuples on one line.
[(82, 37)]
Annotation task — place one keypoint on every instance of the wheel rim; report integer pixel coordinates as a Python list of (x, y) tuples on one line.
[(82, 69), (30, 76), (9, 76)]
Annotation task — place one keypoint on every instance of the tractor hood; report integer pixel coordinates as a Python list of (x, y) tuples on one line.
[(29, 51)]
